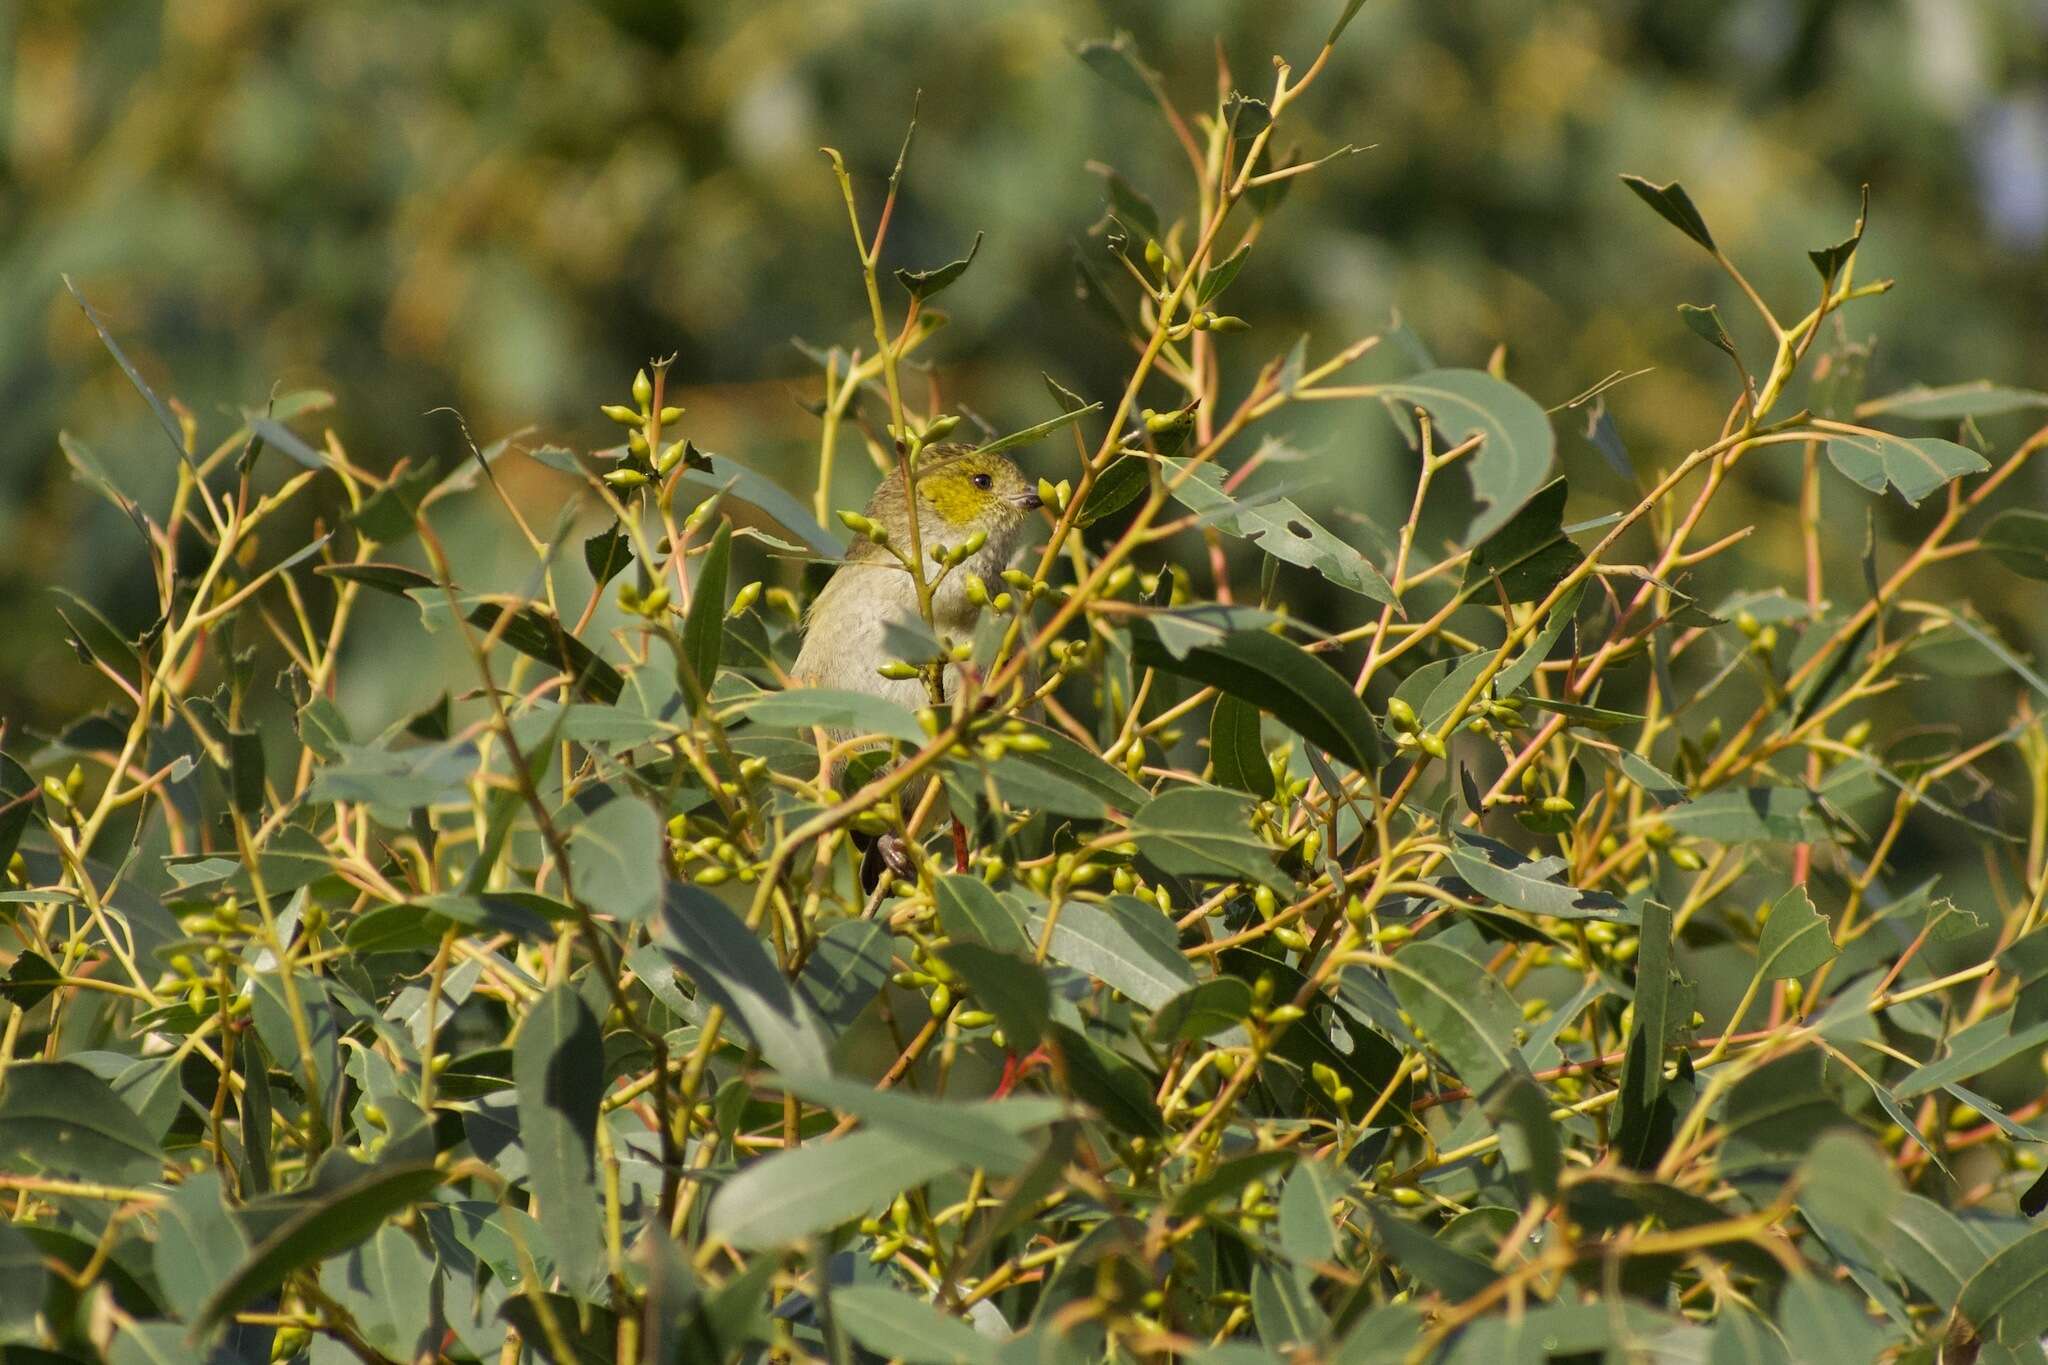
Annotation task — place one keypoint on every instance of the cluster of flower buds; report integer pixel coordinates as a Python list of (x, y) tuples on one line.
[(644, 426)]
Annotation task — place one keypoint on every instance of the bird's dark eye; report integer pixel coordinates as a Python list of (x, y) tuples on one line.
[(983, 482)]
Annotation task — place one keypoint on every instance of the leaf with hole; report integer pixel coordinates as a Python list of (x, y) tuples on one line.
[(1276, 525)]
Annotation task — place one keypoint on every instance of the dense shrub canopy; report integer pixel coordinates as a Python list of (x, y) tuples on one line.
[(1536, 956)]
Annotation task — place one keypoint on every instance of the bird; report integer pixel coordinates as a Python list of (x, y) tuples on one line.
[(962, 493)]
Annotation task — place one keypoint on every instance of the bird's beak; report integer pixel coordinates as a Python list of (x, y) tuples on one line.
[(1029, 501)]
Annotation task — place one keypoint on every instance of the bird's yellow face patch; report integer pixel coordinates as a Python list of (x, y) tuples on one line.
[(973, 490)]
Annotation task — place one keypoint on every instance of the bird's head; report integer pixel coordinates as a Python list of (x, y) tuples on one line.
[(961, 491)]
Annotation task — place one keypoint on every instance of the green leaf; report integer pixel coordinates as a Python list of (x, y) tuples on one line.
[(1444, 1268), (606, 555), (1081, 767), (1661, 1007), (1351, 9), (1295, 687), (322, 1226), (1796, 938), (1777, 1111), (392, 513), (1823, 1321), (1750, 814), (704, 627), (971, 913), (732, 968), (148, 1343), (1117, 61), (1705, 323), (395, 579), (727, 475), (1972, 1052), (1505, 877), (156, 405), (790, 1195), (1278, 526), (1529, 1139), (61, 1118), (1217, 278), (2020, 540), (25, 1276), (1845, 1182), (1953, 402), (907, 1329), (985, 1134), (845, 972), (1126, 203), (1285, 1313), (386, 1284), (1914, 465), (925, 284), (1037, 431), (198, 1243), (538, 635), (1205, 832), (1829, 261), (1932, 1249), (1203, 1010), (1387, 1335), (1111, 1085), (616, 851), (1115, 488), (558, 1066), (18, 800), (1531, 554), (1227, 1179), (1368, 1061), (841, 712), (1008, 985), (1674, 206), (1512, 461), (1126, 944), (396, 781), (1469, 1018), (1307, 1234), (30, 980), (1743, 1338), (1236, 749)]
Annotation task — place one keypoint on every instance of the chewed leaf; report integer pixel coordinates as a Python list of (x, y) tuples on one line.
[(1914, 465), (1279, 527), (923, 284)]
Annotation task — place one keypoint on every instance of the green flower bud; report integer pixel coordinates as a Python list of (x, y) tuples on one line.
[(643, 389), (623, 415), (625, 478)]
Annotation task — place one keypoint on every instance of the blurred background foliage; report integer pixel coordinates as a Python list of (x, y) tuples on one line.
[(504, 208)]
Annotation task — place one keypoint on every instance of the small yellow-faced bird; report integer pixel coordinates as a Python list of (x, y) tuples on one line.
[(960, 493)]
